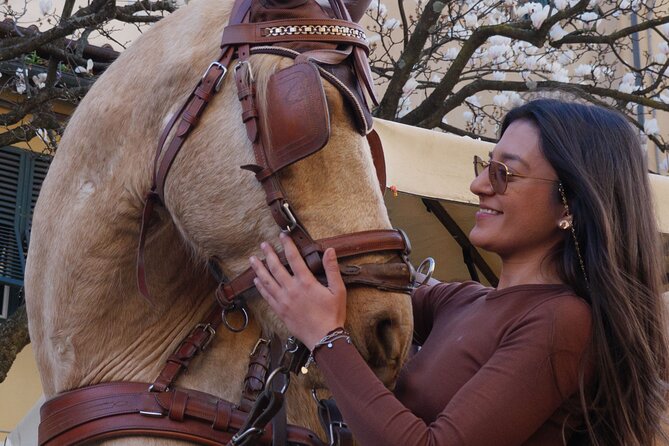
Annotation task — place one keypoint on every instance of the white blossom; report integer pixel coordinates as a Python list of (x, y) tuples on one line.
[(498, 75), (566, 57), (663, 47), (473, 100), (468, 115), (624, 4), (539, 15), (561, 4), (43, 135), (436, 78), (531, 62), (406, 108), (409, 86), (45, 6), (40, 80), (557, 32), (500, 40), (500, 100), (515, 99), (660, 58), (583, 70), (560, 75), (88, 69), (589, 20), (471, 20), (665, 29), (391, 23), (650, 127), (496, 51), (451, 53), (521, 10), (664, 96)]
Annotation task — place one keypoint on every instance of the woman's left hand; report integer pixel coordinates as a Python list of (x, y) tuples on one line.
[(309, 309)]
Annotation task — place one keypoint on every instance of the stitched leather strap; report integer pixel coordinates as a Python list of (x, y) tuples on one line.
[(118, 409)]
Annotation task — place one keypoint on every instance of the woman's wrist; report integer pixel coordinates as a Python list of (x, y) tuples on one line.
[(327, 341)]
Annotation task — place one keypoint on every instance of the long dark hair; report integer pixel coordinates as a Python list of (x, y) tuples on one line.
[(614, 263)]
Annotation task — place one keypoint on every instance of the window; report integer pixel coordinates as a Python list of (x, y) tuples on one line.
[(21, 176)]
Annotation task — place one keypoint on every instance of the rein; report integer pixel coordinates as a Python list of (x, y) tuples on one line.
[(117, 409)]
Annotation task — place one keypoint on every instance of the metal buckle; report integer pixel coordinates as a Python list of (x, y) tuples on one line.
[(331, 427), (292, 221), (212, 333), (240, 63), (258, 344), (219, 80), (428, 263), (238, 437)]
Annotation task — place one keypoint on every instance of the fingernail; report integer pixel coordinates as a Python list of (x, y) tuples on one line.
[(263, 246), (282, 235), (252, 260)]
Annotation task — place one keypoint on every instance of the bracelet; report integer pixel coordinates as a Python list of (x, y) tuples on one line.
[(327, 341)]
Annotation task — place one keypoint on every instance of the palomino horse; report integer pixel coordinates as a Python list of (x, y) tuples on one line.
[(88, 322)]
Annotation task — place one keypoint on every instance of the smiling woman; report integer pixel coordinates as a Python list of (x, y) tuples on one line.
[(570, 347)]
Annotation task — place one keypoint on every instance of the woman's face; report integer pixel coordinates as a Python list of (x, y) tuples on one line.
[(522, 223)]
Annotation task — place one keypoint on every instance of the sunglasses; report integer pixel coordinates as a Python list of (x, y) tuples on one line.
[(499, 173)]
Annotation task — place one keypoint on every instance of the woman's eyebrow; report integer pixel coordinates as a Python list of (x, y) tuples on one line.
[(510, 157)]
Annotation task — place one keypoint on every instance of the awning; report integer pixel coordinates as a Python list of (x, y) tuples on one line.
[(433, 170)]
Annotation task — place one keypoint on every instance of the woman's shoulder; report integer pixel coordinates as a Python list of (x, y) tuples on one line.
[(447, 290)]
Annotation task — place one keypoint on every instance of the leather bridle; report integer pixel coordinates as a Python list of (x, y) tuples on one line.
[(115, 409)]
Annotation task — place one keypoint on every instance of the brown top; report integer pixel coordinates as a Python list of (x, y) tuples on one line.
[(495, 368)]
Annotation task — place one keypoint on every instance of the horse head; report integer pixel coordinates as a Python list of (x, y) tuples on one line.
[(88, 321)]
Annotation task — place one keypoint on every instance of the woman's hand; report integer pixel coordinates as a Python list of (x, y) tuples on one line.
[(308, 309)]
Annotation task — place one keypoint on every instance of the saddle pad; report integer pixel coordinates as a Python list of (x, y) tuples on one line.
[(297, 115)]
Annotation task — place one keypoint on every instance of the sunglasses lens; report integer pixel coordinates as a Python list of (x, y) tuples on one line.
[(498, 177)]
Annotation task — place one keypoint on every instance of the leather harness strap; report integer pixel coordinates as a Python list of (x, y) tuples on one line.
[(117, 409)]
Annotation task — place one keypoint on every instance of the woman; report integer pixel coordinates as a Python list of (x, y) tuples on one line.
[(569, 348)]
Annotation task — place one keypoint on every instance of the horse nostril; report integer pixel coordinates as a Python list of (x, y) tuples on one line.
[(385, 349)]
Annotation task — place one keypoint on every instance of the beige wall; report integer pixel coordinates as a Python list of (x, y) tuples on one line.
[(19, 392)]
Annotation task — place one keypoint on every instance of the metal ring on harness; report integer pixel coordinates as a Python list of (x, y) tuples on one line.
[(428, 263), (274, 373), (231, 309)]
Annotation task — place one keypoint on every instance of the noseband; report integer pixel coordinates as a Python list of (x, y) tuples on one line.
[(116, 409)]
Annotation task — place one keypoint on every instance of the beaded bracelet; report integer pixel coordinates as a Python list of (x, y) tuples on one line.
[(327, 340)]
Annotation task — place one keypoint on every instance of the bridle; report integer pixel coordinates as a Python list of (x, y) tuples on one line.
[(161, 409)]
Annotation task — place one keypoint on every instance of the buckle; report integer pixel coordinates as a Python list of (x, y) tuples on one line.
[(212, 333), (221, 76), (333, 424)]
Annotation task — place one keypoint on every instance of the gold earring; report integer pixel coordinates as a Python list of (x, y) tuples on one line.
[(564, 224)]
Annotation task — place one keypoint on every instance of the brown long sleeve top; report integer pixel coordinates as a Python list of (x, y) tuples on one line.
[(496, 368)]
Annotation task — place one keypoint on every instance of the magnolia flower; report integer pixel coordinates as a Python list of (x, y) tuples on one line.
[(664, 96), (468, 115), (500, 40), (539, 16), (665, 29), (40, 80), (583, 70), (406, 108), (566, 57), (515, 99), (624, 4), (660, 58), (87, 70), (498, 75), (531, 62), (557, 32), (391, 23), (471, 20), (500, 100), (663, 47), (436, 78), (650, 127), (45, 6), (43, 135), (496, 51), (625, 87), (473, 100), (409, 86), (20, 86), (522, 10), (560, 75), (561, 4), (451, 53), (589, 20)]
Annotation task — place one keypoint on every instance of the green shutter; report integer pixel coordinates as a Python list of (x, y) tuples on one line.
[(21, 176)]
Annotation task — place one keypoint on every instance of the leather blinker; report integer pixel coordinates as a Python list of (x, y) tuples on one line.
[(300, 122)]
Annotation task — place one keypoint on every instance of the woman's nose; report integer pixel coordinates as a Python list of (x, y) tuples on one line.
[(481, 184)]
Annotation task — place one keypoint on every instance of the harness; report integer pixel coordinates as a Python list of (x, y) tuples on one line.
[(334, 50)]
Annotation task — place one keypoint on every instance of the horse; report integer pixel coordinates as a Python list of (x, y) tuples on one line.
[(88, 322)]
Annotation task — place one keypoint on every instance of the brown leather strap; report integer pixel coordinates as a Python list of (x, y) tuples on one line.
[(256, 376), (117, 409), (376, 147), (198, 340), (296, 30)]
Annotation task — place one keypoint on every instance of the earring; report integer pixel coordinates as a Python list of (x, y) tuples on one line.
[(564, 224)]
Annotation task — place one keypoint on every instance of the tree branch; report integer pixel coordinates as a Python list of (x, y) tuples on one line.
[(13, 337)]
